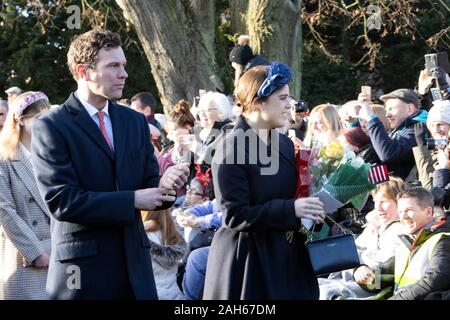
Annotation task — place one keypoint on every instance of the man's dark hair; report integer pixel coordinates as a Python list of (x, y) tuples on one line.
[(146, 99), (424, 198), (84, 48)]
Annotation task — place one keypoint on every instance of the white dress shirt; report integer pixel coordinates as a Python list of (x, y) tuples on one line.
[(93, 113)]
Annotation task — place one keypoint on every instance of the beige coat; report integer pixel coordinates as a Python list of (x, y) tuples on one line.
[(425, 162), (24, 232)]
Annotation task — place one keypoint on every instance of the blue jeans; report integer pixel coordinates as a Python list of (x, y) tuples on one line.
[(194, 276)]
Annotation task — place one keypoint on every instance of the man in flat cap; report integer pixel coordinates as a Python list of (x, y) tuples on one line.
[(394, 145)]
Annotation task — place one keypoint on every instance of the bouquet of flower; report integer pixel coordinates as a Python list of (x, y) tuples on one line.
[(323, 163), (335, 175), (342, 174)]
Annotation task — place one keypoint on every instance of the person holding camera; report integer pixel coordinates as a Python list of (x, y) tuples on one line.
[(432, 155), (394, 148), (299, 123)]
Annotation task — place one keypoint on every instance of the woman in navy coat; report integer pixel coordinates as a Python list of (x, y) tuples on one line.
[(255, 177)]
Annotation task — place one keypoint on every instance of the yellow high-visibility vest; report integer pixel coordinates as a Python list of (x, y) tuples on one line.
[(409, 270)]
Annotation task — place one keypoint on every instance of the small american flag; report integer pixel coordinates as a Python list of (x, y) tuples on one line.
[(378, 174)]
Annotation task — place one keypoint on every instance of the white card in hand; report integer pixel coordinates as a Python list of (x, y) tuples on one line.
[(330, 204), (308, 223)]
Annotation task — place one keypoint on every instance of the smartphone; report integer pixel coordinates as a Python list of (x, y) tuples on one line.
[(367, 91), (434, 60), (436, 94)]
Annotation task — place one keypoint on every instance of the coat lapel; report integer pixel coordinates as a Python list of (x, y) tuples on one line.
[(83, 119), (24, 170), (119, 125)]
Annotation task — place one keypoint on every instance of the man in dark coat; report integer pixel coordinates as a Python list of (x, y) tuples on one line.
[(95, 169), (394, 148), (145, 103)]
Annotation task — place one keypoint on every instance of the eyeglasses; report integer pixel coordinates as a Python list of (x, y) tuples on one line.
[(191, 191)]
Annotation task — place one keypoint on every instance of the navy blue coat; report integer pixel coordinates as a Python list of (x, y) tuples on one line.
[(394, 148), (250, 256), (90, 194)]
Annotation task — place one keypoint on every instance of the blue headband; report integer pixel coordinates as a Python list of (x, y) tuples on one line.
[(278, 75)]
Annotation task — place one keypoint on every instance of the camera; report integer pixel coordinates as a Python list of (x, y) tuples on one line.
[(434, 144), (300, 106), (433, 60)]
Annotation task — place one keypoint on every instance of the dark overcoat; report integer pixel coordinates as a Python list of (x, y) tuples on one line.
[(99, 246), (250, 256)]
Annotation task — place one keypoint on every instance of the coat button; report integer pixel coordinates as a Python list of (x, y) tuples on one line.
[(35, 223), (31, 200)]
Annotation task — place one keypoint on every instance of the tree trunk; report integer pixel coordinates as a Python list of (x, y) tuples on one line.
[(178, 40), (274, 27)]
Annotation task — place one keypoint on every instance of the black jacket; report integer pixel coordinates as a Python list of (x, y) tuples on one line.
[(437, 275), (250, 256), (89, 191), (394, 148)]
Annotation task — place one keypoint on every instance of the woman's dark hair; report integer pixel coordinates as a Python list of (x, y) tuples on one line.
[(356, 137), (181, 114)]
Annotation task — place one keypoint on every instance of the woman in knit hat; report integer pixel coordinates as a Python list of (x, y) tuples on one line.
[(432, 159), (242, 58)]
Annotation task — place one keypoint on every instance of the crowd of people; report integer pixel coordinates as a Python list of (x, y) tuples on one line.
[(102, 198)]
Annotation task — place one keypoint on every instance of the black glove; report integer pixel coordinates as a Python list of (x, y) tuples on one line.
[(420, 129), (441, 77)]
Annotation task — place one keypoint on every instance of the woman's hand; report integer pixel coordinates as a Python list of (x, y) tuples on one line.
[(185, 220), (443, 159), (310, 208), (42, 261)]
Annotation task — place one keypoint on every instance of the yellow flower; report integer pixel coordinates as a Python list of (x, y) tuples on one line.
[(334, 150)]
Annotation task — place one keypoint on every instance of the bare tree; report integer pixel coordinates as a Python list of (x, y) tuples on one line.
[(274, 27), (178, 40)]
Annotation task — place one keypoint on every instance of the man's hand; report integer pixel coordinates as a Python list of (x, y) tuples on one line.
[(151, 198), (366, 109), (363, 275), (424, 83), (42, 261), (175, 177)]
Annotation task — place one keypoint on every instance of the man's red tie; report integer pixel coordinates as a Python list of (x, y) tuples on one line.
[(101, 119)]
